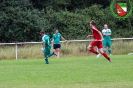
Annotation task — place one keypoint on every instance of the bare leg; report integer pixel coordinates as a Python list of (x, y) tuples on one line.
[(57, 52), (90, 48), (104, 54)]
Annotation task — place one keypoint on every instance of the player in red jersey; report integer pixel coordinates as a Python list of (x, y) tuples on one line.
[(98, 38)]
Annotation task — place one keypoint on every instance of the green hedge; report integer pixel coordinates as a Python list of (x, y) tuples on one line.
[(21, 20)]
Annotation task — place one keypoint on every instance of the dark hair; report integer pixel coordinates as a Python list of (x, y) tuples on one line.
[(56, 29), (42, 32), (93, 22)]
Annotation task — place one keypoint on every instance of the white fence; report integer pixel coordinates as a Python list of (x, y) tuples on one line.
[(18, 43)]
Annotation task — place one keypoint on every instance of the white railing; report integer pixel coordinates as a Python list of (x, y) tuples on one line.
[(18, 43)]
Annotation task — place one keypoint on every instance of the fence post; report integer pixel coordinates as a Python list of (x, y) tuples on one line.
[(16, 49)]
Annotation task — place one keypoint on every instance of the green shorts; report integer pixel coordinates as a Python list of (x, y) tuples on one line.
[(107, 43), (46, 51)]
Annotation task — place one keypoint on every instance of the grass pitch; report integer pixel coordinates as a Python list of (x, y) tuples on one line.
[(71, 72)]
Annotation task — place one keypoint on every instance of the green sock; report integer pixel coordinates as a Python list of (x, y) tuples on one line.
[(104, 51), (109, 51), (51, 54), (46, 60)]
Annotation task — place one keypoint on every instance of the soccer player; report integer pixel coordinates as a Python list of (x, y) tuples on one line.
[(98, 38), (46, 46), (57, 37), (107, 40)]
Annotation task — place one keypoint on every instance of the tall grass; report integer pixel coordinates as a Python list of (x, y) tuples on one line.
[(67, 49)]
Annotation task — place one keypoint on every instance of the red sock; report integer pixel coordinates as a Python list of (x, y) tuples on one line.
[(106, 56), (93, 51)]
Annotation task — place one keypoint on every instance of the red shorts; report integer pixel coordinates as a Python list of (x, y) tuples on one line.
[(97, 43)]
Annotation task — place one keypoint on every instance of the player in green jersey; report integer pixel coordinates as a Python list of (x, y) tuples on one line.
[(46, 46), (107, 39), (57, 37)]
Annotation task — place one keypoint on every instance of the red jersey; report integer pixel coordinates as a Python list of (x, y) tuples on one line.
[(96, 35)]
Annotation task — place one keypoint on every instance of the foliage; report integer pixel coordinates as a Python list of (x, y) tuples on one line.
[(21, 20)]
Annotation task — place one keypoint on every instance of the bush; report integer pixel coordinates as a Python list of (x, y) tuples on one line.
[(21, 20)]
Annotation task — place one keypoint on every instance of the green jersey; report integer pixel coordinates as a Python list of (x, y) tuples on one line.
[(46, 41), (106, 31), (57, 38)]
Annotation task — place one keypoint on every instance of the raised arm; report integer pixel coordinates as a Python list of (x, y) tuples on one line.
[(62, 38), (89, 36)]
